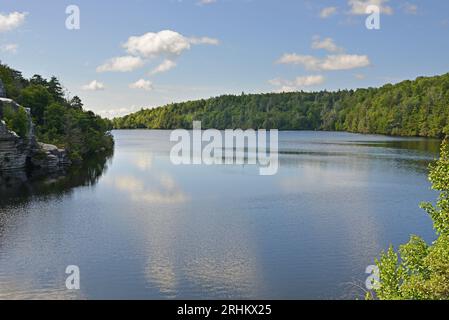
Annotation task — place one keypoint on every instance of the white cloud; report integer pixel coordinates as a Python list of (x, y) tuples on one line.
[(118, 112), (327, 44), (328, 11), (204, 40), (309, 62), (165, 66), (142, 84), (152, 44), (360, 76), (330, 63), (297, 84), (163, 43), (9, 48), (345, 62), (358, 7), (287, 89), (122, 64), (206, 2), (11, 21), (309, 81), (167, 44), (93, 86), (410, 8)]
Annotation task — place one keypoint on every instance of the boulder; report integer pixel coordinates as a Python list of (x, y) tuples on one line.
[(50, 157)]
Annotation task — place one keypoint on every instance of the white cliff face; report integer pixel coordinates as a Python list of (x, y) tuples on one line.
[(19, 152), (13, 150)]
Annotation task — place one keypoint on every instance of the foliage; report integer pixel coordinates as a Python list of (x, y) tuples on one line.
[(16, 120), (12, 80), (59, 120), (37, 98), (409, 108), (421, 271)]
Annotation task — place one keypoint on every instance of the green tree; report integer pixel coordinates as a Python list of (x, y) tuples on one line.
[(58, 121), (37, 98), (38, 81), (55, 89), (76, 103), (12, 80)]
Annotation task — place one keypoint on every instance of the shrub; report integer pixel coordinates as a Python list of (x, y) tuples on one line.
[(16, 120)]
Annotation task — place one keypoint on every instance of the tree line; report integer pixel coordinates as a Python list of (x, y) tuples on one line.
[(409, 108), (58, 120)]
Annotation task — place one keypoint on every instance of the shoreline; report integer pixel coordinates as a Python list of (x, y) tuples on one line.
[(293, 131)]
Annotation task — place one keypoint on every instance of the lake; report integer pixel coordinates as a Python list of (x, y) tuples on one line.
[(140, 227)]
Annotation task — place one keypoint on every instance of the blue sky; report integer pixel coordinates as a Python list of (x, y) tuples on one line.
[(173, 50)]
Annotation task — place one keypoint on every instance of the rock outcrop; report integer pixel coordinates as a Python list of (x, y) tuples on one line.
[(50, 157), (26, 152), (14, 150)]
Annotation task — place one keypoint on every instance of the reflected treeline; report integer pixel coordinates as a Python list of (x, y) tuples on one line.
[(431, 146), (20, 185), (407, 154)]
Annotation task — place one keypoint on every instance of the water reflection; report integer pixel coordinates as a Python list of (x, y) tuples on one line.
[(27, 270), (140, 227), (20, 185), (163, 190), (424, 146)]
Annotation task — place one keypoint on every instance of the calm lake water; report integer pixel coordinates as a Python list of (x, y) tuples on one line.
[(139, 227)]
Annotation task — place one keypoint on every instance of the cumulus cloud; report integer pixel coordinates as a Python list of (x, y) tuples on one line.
[(142, 84), (330, 63), (166, 44), (165, 66), (358, 7), (327, 44), (121, 64), (11, 21), (297, 84), (9, 48), (93, 86), (152, 44), (345, 62), (309, 62), (327, 12)]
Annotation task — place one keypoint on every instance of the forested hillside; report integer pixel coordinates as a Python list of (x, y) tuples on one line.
[(58, 120), (409, 108)]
